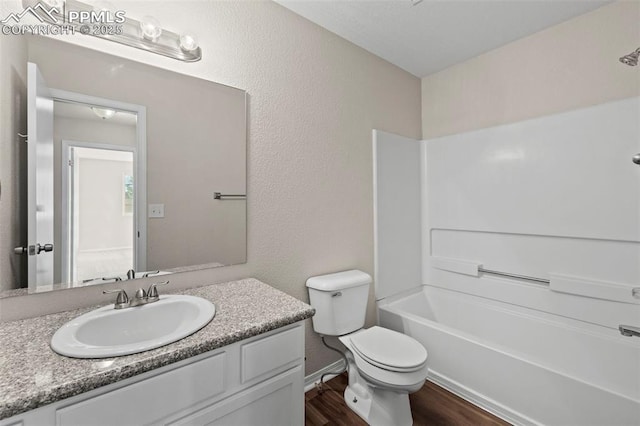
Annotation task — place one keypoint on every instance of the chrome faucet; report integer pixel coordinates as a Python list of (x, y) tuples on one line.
[(131, 274), (152, 294), (142, 296), (122, 301)]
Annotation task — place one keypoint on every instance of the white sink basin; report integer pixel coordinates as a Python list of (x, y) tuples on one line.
[(108, 332)]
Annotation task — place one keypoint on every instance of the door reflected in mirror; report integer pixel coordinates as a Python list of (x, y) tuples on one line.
[(122, 163), (99, 201)]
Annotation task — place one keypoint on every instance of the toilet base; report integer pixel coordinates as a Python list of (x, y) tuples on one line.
[(379, 407)]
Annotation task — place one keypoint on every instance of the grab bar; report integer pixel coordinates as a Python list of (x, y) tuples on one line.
[(605, 290), (221, 196), (510, 275)]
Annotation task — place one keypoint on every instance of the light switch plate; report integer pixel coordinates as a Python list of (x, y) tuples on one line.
[(156, 210)]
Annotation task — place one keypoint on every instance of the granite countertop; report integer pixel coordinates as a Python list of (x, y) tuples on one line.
[(32, 375)]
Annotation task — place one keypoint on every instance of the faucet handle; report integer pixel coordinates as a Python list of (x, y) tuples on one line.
[(111, 278), (140, 298), (140, 294), (152, 294), (146, 274), (122, 300)]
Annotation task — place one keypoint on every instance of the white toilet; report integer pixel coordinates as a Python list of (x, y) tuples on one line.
[(384, 366)]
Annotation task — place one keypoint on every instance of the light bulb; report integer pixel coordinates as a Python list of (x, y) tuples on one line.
[(104, 113), (150, 28), (188, 42)]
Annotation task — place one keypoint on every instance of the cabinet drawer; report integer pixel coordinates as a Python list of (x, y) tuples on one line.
[(151, 399), (272, 352)]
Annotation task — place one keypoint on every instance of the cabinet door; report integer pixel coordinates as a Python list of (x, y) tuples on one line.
[(276, 402), (147, 401), (272, 354)]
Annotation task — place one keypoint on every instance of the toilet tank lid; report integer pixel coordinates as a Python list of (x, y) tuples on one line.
[(339, 280)]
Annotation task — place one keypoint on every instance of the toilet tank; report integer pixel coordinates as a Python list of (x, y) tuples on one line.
[(340, 301)]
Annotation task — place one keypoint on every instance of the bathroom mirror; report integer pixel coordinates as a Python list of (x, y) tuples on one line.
[(127, 167)]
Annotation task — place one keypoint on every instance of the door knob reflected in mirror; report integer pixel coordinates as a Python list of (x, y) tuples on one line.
[(44, 248), (32, 250)]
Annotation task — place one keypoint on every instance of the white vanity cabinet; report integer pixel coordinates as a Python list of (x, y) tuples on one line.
[(257, 381)]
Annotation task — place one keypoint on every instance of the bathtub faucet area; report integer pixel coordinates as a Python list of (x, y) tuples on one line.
[(629, 331)]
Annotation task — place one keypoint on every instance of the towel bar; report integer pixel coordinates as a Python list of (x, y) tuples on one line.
[(221, 196), (520, 277)]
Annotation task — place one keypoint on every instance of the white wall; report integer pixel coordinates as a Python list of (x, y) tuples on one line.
[(103, 223), (526, 198), (568, 66), (313, 100), (397, 198)]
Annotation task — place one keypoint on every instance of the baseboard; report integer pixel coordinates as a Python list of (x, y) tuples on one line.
[(480, 400), (311, 379)]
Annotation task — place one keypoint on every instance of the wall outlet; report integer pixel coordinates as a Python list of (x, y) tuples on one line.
[(156, 210)]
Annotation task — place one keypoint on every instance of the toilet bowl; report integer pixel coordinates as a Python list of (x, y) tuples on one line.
[(384, 366)]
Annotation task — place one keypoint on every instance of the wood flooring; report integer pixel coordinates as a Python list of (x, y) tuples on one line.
[(431, 405)]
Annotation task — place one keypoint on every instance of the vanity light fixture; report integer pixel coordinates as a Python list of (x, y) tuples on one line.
[(146, 34)]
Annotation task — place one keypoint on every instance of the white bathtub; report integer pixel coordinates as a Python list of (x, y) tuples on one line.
[(525, 366)]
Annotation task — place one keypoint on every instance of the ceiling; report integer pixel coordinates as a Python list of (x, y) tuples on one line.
[(435, 34)]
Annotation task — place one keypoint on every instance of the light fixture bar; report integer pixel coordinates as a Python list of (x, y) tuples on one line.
[(128, 33)]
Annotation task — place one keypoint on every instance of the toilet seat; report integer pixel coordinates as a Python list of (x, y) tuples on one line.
[(389, 350), (411, 370)]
